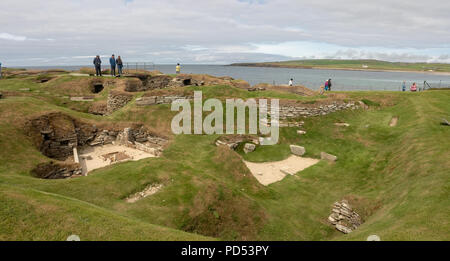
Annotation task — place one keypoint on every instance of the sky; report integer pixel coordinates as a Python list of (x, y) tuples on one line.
[(72, 32)]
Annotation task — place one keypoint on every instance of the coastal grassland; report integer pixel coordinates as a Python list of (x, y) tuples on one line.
[(354, 65), (395, 177)]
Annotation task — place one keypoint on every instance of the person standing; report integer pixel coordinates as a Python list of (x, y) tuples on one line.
[(291, 82), (326, 85), (329, 84), (98, 66), (403, 86), (112, 62), (119, 65), (0, 70), (178, 69)]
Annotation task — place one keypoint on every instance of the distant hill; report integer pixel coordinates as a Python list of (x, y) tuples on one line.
[(370, 65)]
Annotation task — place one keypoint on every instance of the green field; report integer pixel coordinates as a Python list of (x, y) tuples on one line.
[(354, 65), (397, 178)]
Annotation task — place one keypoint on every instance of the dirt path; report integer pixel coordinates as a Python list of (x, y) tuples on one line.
[(270, 172)]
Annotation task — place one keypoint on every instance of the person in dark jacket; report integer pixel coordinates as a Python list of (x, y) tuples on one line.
[(112, 62), (98, 65), (119, 65), (329, 84)]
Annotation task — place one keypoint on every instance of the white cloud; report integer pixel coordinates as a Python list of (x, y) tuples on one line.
[(11, 37)]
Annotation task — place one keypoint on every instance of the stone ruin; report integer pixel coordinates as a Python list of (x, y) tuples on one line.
[(117, 100), (344, 218), (233, 141), (58, 136), (163, 99)]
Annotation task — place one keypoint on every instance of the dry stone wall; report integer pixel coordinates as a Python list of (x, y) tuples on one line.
[(153, 100), (117, 100)]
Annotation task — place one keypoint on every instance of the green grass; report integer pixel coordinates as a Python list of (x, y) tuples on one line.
[(396, 177), (355, 65)]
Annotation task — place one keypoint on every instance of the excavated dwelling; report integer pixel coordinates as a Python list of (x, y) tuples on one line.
[(79, 147)]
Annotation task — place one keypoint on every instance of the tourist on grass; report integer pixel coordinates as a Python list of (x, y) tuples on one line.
[(178, 68), (0, 70), (98, 65), (291, 82), (329, 84), (404, 86), (119, 65), (413, 87), (326, 85), (112, 62)]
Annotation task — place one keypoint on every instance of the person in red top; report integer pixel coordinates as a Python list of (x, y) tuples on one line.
[(413, 87)]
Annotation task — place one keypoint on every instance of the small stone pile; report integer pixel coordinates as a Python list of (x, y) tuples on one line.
[(344, 218)]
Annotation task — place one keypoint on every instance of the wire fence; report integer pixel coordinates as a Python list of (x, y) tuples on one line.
[(131, 67)]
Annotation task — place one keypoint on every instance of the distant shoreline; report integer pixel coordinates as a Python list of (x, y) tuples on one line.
[(262, 65)]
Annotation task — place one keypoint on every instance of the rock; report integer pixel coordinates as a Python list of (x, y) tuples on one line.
[(297, 150), (301, 132), (24, 89), (1, 95), (343, 229), (444, 122), (249, 147), (329, 157), (341, 124)]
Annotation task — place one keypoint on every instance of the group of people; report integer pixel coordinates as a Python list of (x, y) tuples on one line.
[(413, 87), (326, 87), (112, 61), (115, 63)]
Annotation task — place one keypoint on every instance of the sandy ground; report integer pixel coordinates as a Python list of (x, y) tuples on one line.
[(101, 156), (270, 172)]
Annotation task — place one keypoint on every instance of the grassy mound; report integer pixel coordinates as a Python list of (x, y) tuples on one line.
[(395, 177)]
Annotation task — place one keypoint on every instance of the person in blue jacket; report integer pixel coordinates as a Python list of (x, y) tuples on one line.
[(0, 69), (112, 61)]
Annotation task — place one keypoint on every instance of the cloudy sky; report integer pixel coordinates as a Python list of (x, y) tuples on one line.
[(71, 32)]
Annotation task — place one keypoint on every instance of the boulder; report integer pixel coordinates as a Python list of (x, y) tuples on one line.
[(329, 157), (301, 132), (444, 121), (249, 147), (297, 150)]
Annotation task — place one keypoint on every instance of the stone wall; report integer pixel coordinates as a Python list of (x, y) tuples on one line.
[(117, 100), (295, 111), (153, 100)]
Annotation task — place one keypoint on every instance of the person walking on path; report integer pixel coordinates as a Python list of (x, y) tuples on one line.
[(413, 87), (178, 69), (98, 66), (403, 86), (119, 65), (329, 84), (291, 82), (112, 62)]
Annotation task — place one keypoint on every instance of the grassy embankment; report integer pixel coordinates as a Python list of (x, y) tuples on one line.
[(354, 65), (396, 177)]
